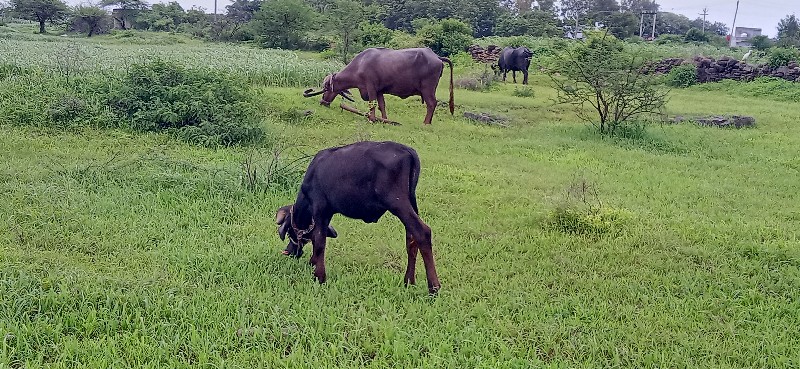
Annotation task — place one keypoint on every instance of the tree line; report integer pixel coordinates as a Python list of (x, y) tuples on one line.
[(343, 25)]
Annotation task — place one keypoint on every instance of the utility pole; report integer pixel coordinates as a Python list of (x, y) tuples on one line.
[(704, 13), (215, 10), (641, 24), (653, 35), (733, 26)]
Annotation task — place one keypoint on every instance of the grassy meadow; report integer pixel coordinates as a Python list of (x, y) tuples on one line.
[(124, 249)]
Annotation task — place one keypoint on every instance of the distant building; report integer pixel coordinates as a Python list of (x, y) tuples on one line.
[(743, 35)]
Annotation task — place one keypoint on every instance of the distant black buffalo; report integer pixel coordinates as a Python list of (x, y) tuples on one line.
[(378, 71), (363, 181), (515, 59)]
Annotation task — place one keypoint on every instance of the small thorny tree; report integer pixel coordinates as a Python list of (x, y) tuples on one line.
[(600, 73)]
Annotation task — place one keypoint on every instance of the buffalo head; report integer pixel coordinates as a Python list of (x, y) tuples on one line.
[(328, 91), (297, 237)]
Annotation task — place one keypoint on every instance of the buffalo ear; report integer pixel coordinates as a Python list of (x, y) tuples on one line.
[(282, 230), (332, 232), (281, 215)]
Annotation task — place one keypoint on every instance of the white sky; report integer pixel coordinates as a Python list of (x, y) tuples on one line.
[(764, 14)]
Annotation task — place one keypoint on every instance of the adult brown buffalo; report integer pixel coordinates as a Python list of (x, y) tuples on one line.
[(378, 71)]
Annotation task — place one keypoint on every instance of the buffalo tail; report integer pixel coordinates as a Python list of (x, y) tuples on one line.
[(452, 101)]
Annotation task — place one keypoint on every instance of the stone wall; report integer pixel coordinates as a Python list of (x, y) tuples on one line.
[(714, 70), (488, 55)]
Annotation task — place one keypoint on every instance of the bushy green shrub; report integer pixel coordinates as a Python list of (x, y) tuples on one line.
[(199, 106), (403, 40), (446, 37), (669, 39), (592, 222), (374, 35), (695, 35), (524, 91), (684, 75), (761, 42), (780, 56)]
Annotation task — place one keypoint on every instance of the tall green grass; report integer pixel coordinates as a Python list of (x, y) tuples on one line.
[(258, 66), (137, 250)]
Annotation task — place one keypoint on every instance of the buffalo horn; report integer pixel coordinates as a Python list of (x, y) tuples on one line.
[(309, 92)]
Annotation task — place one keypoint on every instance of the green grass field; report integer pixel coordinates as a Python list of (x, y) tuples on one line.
[(122, 249)]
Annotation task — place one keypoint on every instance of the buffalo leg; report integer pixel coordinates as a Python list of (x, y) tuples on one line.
[(373, 96), (525, 80), (318, 258), (505, 72), (421, 234), (411, 247), (430, 103), (514, 74), (382, 106)]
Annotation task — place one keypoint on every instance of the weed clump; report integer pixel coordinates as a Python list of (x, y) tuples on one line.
[(684, 75), (583, 214)]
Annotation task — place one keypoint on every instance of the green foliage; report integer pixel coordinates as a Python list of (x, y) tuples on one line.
[(375, 35), (533, 23), (761, 43), (684, 75), (445, 37), (762, 87), (282, 24), (197, 105), (695, 35), (162, 17), (90, 19), (40, 11), (780, 56), (524, 91), (601, 74), (482, 81), (665, 39), (789, 32), (582, 213), (403, 40)]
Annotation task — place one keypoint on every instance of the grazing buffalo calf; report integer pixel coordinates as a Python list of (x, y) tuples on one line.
[(514, 60), (363, 181)]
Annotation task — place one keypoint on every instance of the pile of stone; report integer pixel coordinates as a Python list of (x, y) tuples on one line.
[(662, 66), (733, 121), (714, 70), (488, 55)]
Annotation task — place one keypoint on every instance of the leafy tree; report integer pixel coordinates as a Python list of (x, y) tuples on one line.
[(717, 28), (789, 31), (40, 10), (671, 23), (344, 21), (761, 43), (163, 17), (572, 9), (89, 19), (533, 23), (480, 15), (601, 74), (282, 23), (622, 25), (638, 6), (695, 35), (446, 37)]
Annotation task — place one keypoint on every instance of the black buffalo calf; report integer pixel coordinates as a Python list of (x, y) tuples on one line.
[(363, 181)]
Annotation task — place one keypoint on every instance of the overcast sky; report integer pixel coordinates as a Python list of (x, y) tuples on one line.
[(763, 14)]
